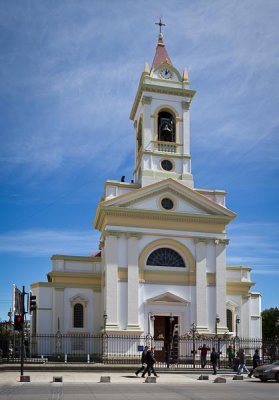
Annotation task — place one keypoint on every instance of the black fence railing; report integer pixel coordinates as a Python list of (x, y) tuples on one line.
[(179, 352)]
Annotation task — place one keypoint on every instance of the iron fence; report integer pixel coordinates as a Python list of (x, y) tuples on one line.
[(179, 352)]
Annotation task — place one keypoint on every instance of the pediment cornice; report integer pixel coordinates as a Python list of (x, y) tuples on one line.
[(167, 298), (212, 212), (169, 185)]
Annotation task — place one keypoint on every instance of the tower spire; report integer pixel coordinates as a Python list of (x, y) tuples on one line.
[(161, 54)]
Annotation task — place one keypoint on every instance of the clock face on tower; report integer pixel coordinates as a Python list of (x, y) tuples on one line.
[(165, 73)]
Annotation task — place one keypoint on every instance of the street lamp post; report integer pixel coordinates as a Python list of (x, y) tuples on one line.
[(104, 336), (237, 321), (193, 331), (105, 317), (217, 321), (171, 319)]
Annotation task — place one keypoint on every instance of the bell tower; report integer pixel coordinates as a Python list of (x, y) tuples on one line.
[(162, 122)]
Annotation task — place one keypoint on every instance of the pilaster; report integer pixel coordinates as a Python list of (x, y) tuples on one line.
[(186, 128), (133, 284), (146, 126), (221, 279), (201, 287), (58, 307), (111, 279)]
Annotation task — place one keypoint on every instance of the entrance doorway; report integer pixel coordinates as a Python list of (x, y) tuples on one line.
[(166, 338)]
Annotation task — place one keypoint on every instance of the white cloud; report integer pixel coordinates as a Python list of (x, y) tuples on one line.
[(266, 272), (38, 242), (256, 245)]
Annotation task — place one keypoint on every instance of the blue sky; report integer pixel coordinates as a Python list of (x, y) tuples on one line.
[(69, 72)]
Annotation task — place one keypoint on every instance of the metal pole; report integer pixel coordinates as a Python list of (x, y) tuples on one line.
[(194, 347), (22, 333)]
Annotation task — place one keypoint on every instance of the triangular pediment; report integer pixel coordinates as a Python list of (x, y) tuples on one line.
[(185, 200), (167, 297)]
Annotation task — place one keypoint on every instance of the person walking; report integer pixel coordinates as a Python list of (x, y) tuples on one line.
[(214, 357), (242, 366), (204, 349), (143, 360), (256, 362), (150, 360)]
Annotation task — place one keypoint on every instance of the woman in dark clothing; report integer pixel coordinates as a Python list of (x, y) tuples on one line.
[(150, 360)]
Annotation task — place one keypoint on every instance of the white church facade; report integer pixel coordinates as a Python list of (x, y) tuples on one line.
[(162, 240)]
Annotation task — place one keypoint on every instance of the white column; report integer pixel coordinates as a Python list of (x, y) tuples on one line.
[(133, 285), (221, 285), (111, 282), (201, 287)]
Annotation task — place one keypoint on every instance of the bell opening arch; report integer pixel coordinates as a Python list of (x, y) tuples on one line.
[(166, 124)]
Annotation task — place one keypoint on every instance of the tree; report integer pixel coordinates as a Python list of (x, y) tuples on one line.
[(270, 323)]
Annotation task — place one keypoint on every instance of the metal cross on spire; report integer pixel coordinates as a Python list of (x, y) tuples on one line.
[(160, 23)]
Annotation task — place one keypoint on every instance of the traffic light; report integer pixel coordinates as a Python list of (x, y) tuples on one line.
[(18, 323), (32, 303)]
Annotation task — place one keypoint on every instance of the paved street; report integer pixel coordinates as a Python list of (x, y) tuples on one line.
[(126, 386)]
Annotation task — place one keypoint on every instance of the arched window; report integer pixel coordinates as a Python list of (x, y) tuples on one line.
[(78, 316), (165, 257), (229, 320), (166, 127)]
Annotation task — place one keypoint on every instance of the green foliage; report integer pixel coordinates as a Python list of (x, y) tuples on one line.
[(270, 323)]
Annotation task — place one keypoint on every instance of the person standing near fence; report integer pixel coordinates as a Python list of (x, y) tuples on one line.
[(204, 349), (214, 357), (143, 360), (230, 354), (256, 362), (242, 366)]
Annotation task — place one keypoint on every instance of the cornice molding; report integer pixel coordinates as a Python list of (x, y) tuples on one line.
[(118, 234), (206, 239), (241, 288), (147, 87), (158, 153), (62, 286), (164, 215), (238, 267), (60, 257)]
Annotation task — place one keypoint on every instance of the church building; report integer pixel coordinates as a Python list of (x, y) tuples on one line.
[(163, 241)]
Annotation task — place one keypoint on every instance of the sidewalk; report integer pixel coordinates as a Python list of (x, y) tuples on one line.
[(128, 377), (96, 367)]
